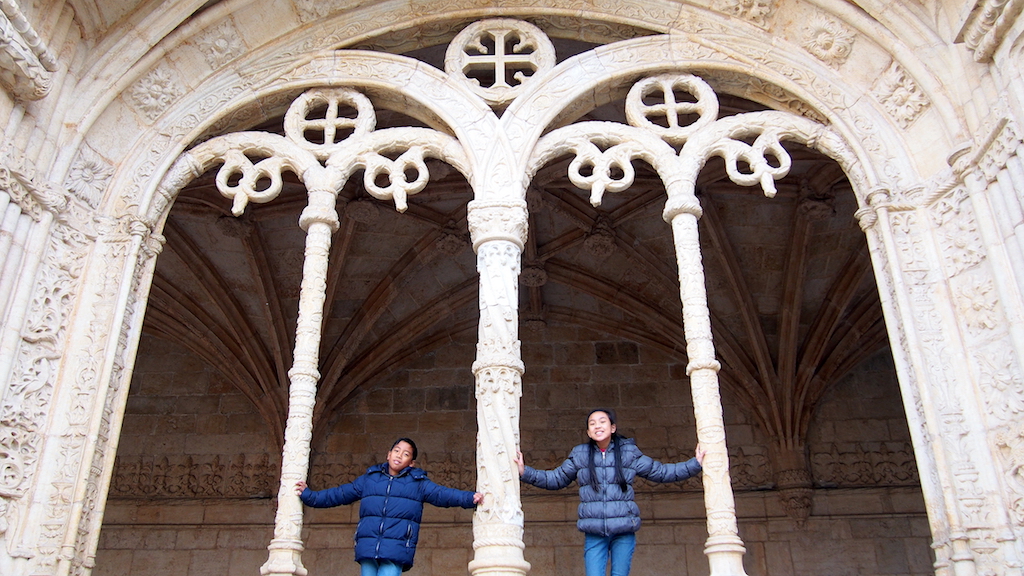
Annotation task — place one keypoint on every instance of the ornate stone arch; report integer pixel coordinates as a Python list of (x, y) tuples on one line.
[(886, 183)]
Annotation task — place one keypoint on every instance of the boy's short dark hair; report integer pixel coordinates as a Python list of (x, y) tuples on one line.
[(408, 441)]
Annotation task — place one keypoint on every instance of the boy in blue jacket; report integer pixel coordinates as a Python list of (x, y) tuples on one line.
[(392, 496)]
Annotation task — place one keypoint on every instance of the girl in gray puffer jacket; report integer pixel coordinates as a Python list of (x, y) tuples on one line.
[(605, 469)]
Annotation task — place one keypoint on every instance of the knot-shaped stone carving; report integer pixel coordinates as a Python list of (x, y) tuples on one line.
[(396, 179), (244, 180), (599, 170)]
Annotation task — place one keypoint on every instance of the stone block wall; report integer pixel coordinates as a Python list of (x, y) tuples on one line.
[(867, 516)]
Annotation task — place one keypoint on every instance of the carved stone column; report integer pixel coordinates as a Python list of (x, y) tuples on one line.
[(320, 220), (724, 548), (499, 232)]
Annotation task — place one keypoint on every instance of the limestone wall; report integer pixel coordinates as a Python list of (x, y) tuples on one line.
[(195, 475)]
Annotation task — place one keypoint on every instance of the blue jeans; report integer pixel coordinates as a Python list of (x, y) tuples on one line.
[(597, 549), (379, 568)]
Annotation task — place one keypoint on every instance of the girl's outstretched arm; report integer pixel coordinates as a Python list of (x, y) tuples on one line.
[(549, 479), (655, 471)]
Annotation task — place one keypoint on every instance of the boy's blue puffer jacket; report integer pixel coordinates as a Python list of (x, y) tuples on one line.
[(605, 510), (390, 510)]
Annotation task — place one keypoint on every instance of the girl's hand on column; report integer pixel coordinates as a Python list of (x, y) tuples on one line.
[(300, 486), (519, 462), (699, 454), (478, 498)]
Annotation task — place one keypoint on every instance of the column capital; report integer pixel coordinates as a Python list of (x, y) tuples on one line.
[(498, 220)]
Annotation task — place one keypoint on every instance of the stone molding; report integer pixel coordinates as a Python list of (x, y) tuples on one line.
[(987, 25), (28, 65)]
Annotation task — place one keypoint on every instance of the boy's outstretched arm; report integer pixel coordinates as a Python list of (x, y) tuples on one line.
[(445, 497), (339, 495)]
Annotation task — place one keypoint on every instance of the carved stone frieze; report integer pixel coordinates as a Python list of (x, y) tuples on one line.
[(761, 91), (888, 464), (205, 476), (597, 31), (1010, 442), (19, 181), (900, 96), (828, 40), (25, 404), (972, 500), (1004, 144)]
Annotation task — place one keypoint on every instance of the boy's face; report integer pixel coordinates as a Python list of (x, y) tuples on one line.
[(399, 458)]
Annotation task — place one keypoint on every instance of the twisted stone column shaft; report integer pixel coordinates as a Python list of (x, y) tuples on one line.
[(320, 220), (724, 548), (498, 230)]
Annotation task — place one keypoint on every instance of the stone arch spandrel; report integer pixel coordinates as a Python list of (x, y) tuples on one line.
[(877, 150), (395, 81), (304, 34)]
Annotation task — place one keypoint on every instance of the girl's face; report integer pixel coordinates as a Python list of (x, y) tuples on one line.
[(600, 429), (399, 458)]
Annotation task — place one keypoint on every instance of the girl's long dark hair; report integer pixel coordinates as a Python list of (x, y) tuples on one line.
[(620, 479)]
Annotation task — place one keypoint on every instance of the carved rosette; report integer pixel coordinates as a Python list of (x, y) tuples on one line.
[(829, 40), (901, 97), (152, 94)]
